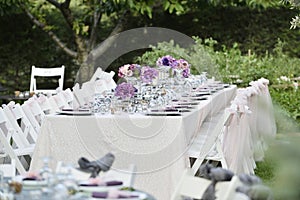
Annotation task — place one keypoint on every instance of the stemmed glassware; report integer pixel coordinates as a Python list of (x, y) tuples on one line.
[(47, 175), (154, 95), (163, 74), (4, 187), (203, 78)]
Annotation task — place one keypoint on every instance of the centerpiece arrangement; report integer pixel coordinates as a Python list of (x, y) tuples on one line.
[(125, 90), (136, 72), (147, 85), (170, 64)]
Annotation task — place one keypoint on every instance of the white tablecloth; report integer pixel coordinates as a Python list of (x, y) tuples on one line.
[(156, 145)]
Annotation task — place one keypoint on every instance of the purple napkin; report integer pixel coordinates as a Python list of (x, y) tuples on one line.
[(100, 194), (113, 183)]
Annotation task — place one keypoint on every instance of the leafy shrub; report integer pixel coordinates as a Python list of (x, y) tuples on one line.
[(230, 64), (200, 55)]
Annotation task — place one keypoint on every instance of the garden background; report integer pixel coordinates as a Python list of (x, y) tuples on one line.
[(235, 43)]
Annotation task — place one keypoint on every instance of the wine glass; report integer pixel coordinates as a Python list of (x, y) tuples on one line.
[(46, 174)]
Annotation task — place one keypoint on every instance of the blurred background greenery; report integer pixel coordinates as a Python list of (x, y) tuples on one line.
[(235, 41)]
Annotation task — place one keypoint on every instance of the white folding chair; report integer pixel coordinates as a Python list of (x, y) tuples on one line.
[(190, 186), (46, 72), (194, 187), (20, 122), (15, 145), (33, 121), (106, 77), (81, 95), (46, 106), (55, 103), (70, 98), (9, 169), (66, 99), (202, 146), (34, 113), (101, 81), (227, 190)]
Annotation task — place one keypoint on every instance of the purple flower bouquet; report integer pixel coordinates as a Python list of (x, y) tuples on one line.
[(125, 90), (129, 70), (166, 61), (148, 74)]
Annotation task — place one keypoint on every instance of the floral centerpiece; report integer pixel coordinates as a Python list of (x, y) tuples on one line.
[(180, 66), (129, 70), (166, 61), (125, 90), (148, 74), (183, 67), (165, 64)]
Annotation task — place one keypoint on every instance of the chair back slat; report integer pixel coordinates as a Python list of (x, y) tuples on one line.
[(46, 72)]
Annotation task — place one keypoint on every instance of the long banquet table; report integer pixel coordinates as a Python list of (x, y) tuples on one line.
[(157, 145)]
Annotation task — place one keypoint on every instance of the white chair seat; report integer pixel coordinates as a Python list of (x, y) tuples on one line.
[(194, 187), (208, 140)]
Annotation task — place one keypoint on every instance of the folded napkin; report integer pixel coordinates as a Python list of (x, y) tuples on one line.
[(107, 183), (114, 194)]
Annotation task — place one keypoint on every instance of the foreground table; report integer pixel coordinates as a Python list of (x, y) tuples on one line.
[(155, 144)]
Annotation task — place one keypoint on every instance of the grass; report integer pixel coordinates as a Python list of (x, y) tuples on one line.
[(266, 171), (280, 168)]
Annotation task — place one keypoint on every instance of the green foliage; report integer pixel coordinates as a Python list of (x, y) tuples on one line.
[(265, 170), (21, 48), (229, 64), (271, 66), (9, 6), (198, 55), (253, 29), (294, 4)]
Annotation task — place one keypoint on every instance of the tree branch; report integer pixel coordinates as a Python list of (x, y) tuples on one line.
[(66, 3), (65, 10), (67, 14), (55, 3), (50, 33), (98, 51), (96, 19), (120, 25)]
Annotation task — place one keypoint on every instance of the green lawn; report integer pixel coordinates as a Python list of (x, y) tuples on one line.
[(280, 168)]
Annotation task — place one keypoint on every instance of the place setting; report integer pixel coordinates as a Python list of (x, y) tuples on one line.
[(77, 112), (87, 180)]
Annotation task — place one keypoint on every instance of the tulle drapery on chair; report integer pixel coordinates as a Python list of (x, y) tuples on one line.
[(237, 143), (253, 125)]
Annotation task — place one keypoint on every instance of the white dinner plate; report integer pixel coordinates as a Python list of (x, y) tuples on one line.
[(98, 188), (33, 183)]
